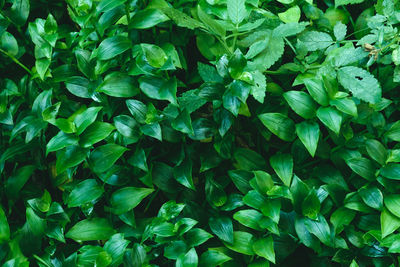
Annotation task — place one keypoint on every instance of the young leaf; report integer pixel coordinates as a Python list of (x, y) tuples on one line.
[(236, 10), (331, 118), (103, 157)]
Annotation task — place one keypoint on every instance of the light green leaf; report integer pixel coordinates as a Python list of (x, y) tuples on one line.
[(96, 132), (347, 2), (242, 243), (147, 18), (190, 259), (236, 10), (302, 103), (392, 203), (360, 83), (340, 31), (86, 118), (159, 88), (292, 15), (314, 40)]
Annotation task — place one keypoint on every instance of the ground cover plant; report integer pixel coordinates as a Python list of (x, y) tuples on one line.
[(199, 133)]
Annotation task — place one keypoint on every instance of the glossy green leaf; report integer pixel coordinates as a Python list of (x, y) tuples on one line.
[(128, 198), (279, 125), (331, 118), (91, 229), (308, 133), (103, 157), (283, 166), (84, 192), (264, 247), (112, 47), (118, 85), (301, 103)]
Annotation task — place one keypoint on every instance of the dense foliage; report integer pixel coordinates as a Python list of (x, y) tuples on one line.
[(199, 133)]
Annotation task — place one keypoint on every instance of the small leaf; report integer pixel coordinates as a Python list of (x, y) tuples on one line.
[(292, 15), (236, 10), (340, 31), (242, 243), (96, 132), (86, 118), (159, 88), (372, 196), (311, 205), (362, 167), (391, 171), (70, 157), (190, 259)]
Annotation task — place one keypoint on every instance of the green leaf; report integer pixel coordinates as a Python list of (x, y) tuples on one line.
[(190, 259), (376, 151), (127, 198), (159, 88), (84, 192), (249, 218), (360, 83), (279, 125), (154, 55), (264, 181), (213, 258), (147, 18), (118, 85), (86, 118), (341, 217), (152, 130), (197, 236), (70, 157), (137, 109), (331, 118), (60, 141), (15, 183), (320, 228), (394, 132), (78, 86), (4, 227), (347, 2), (362, 167), (316, 89), (372, 196), (264, 247), (183, 123), (308, 133), (340, 31), (19, 11), (9, 44), (107, 5), (181, 19), (345, 105), (292, 15), (301, 103), (212, 24), (242, 243), (90, 230), (311, 205), (127, 126), (283, 166), (104, 157), (389, 223), (236, 10), (112, 47), (222, 227), (94, 133), (392, 203), (391, 171), (314, 40), (273, 52)]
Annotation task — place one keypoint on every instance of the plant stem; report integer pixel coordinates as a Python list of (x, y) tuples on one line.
[(16, 61)]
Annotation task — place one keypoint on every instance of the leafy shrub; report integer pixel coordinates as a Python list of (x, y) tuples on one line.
[(211, 133)]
